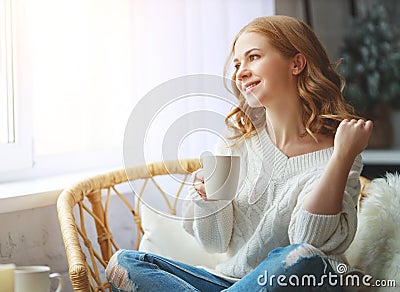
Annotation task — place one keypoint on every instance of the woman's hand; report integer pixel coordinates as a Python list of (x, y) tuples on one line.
[(198, 184), (352, 137), (327, 196)]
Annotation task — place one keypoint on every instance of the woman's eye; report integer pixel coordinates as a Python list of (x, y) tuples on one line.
[(253, 57), (236, 66)]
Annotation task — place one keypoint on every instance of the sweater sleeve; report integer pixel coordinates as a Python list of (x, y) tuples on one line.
[(210, 222), (332, 234)]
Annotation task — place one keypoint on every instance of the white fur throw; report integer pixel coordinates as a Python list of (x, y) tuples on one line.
[(376, 246)]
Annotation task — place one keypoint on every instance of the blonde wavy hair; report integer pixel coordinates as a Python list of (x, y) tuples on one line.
[(319, 86)]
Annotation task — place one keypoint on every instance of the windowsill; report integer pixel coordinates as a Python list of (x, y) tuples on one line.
[(41, 186), (381, 156)]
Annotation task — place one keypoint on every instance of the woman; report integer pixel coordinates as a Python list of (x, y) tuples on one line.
[(287, 228)]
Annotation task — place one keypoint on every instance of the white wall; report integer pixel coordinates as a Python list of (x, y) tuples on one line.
[(33, 237)]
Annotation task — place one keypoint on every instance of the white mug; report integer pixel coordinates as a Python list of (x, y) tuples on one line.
[(221, 175), (35, 279)]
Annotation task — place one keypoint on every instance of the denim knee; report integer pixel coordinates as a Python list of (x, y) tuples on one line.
[(290, 257), (117, 273), (297, 252), (299, 266)]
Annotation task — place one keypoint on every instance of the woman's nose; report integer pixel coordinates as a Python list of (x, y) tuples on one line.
[(242, 73)]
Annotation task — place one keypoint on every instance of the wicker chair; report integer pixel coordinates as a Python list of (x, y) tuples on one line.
[(91, 197), (87, 258)]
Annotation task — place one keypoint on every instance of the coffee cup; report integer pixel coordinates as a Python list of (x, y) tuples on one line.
[(35, 279), (221, 175)]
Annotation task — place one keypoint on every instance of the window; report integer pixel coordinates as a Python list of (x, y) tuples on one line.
[(7, 134), (15, 149), (80, 66), (6, 78)]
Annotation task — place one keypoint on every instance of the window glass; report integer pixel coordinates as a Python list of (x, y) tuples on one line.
[(6, 78)]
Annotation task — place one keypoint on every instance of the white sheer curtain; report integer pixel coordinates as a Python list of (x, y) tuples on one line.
[(87, 63), (177, 37)]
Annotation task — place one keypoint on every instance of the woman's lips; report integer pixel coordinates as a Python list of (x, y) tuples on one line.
[(249, 86)]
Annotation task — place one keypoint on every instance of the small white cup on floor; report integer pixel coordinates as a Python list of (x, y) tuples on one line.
[(35, 279)]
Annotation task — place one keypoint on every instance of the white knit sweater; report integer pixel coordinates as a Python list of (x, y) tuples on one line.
[(267, 211)]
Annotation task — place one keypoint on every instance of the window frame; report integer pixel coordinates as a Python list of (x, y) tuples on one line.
[(15, 154)]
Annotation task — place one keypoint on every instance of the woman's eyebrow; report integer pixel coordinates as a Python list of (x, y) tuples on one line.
[(247, 52)]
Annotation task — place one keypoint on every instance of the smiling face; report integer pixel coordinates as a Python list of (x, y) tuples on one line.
[(263, 75)]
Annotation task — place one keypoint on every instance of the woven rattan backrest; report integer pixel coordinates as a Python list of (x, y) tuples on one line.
[(363, 190), (87, 205)]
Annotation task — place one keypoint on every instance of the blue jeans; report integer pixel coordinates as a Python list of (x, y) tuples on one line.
[(285, 269)]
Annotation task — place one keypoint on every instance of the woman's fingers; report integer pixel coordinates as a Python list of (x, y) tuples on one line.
[(198, 184), (369, 125), (352, 136), (361, 122), (199, 175)]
